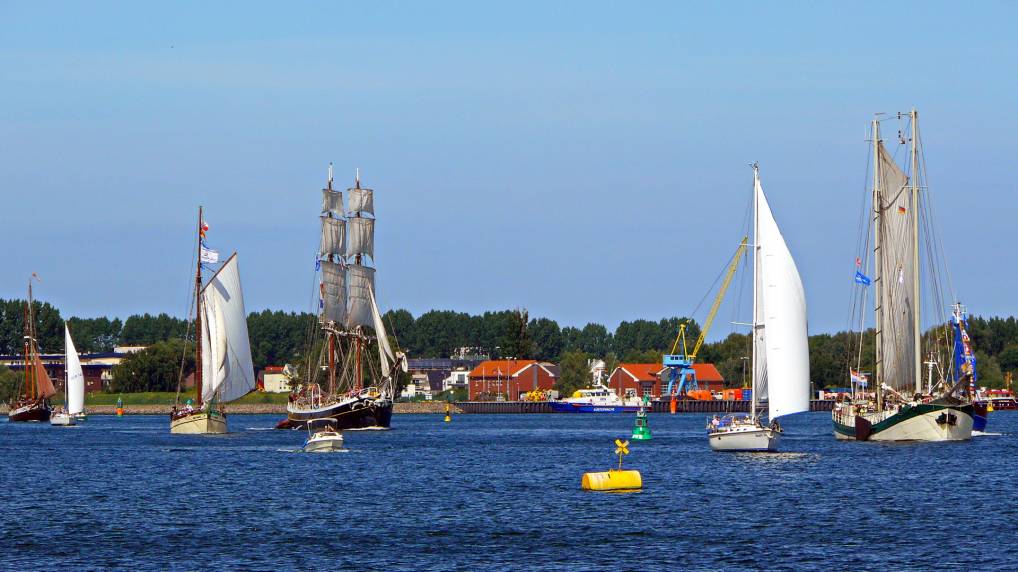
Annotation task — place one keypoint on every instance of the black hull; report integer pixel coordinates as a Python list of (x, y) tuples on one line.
[(21, 412), (359, 414)]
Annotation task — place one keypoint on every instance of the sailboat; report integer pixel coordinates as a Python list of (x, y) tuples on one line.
[(34, 404), (223, 368), (359, 387), (780, 378), (74, 386), (898, 408)]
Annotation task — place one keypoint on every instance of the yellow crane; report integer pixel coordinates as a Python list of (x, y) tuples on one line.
[(682, 376)]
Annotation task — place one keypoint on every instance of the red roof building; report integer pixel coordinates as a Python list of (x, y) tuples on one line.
[(652, 378), (509, 379)]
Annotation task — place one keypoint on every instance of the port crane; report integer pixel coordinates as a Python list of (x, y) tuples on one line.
[(682, 376)]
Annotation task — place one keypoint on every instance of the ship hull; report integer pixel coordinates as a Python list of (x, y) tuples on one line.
[(35, 411), (62, 420), (359, 413), (562, 407), (980, 416), (198, 423), (922, 422)]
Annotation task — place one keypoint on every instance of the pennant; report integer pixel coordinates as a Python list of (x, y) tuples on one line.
[(858, 262), (318, 265), (861, 278), (209, 256)]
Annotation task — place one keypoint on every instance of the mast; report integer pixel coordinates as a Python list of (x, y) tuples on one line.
[(916, 303), (29, 370), (756, 278), (331, 335), (878, 369), (197, 317)]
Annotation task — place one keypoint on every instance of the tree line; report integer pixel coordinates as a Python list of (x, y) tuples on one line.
[(281, 337)]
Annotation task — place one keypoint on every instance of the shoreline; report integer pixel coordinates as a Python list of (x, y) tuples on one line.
[(432, 407)]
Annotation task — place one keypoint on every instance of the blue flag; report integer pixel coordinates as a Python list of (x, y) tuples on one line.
[(861, 278), (318, 265)]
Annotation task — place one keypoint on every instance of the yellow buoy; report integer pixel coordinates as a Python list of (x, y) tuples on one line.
[(448, 409), (613, 479)]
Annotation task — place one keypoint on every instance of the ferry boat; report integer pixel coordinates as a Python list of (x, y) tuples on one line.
[(598, 399)]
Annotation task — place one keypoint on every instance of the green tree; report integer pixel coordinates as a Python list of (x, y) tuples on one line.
[(95, 334), (574, 372), (1008, 358), (156, 368), (547, 338), (278, 338), (10, 383), (148, 329), (516, 341)]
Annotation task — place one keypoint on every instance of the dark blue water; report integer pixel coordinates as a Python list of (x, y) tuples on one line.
[(498, 492)]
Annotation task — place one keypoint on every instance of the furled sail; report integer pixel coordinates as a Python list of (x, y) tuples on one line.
[(332, 201), (226, 361), (361, 234), (333, 292), (333, 237), (385, 355), (43, 385), (895, 274), (75, 377), (361, 200), (361, 283), (782, 306)]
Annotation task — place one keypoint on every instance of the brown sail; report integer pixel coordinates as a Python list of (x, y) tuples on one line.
[(43, 386)]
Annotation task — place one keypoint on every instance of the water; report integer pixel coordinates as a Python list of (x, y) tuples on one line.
[(498, 492)]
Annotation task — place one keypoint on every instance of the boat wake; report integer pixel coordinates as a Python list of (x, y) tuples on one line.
[(260, 429), (986, 434)]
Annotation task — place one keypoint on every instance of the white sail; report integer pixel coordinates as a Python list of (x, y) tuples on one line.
[(361, 200), (226, 358), (333, 293), (895, 275), (385, 355), (333, 241), (361, 282), (361, 235), (782, 306), (332, 201), (75, 377)]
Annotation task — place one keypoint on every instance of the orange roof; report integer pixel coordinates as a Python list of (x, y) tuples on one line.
[(500, 367), (650, 371), (642, 371), (707, 372)]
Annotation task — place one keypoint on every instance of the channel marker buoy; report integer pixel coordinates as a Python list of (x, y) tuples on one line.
[(613, 479)]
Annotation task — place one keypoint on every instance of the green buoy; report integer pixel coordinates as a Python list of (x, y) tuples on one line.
[(641, 432)]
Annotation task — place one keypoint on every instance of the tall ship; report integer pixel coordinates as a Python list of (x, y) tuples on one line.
[(349, 375), (780, 353), (223, 368), (901, 251), (33, 404)]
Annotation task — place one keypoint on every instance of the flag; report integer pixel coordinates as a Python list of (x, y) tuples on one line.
[(858, 262), (202, 229), (318, 265), (902, 210), (861, 278), (321, 295), (860, 378), (209, 256)]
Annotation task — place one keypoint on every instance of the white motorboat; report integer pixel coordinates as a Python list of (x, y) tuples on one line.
[(324, 439), (742, 432), (62, 419)]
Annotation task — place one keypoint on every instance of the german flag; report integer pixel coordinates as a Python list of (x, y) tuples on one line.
[(902, 210)]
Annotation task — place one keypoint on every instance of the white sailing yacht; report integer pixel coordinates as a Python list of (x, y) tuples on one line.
[(898, 407), (223, 371), (74, 386), (780, 343)]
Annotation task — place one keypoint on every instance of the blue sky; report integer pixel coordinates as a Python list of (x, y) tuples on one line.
[(587, 161)]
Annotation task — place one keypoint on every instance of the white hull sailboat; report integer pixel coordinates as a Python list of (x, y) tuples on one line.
[(780, 343), (899, 407), (224, 371), (74, 387)]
